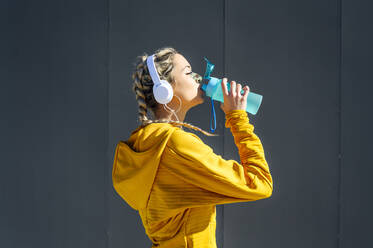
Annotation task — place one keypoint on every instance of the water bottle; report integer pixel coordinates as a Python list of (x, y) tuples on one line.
[(213, 89)]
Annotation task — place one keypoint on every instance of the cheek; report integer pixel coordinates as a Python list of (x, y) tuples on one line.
[(188, 88)]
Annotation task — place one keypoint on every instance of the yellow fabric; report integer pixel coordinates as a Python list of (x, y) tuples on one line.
[(174, 180)]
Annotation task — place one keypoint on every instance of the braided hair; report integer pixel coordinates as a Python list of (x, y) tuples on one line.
[(143, 86)]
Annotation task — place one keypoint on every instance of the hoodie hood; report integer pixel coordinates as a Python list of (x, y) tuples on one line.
[(136, 162)]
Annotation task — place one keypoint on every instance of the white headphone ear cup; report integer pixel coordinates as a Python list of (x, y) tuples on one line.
[(163, 92)]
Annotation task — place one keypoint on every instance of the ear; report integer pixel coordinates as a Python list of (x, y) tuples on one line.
[(173, 83)]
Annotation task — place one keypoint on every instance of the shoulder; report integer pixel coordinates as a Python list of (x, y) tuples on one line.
[(181, 140), (181, 136)]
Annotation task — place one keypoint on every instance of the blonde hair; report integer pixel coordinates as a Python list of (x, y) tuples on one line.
[(143, 86)]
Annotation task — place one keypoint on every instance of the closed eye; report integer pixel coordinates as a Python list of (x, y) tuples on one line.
[(189, 73)]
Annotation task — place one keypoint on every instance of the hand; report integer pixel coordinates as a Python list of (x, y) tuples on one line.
[(233, 100)]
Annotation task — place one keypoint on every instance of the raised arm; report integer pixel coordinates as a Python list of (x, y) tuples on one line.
[(211, 178)]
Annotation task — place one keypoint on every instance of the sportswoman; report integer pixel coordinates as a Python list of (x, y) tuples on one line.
[(169, 175)]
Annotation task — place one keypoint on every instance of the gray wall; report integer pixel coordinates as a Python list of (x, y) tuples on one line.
[(66, 100)]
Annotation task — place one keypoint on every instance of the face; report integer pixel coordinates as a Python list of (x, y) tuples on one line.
[(185, 85)]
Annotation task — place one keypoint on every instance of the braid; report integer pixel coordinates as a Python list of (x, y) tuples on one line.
[(178, 123), (143, 87), (139, 89)]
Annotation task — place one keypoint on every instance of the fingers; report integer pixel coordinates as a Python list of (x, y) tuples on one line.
[(238, 90), (246, 93), (233, 88), (224, 86)]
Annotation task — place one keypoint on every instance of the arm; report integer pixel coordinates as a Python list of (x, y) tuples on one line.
[(217, 180)]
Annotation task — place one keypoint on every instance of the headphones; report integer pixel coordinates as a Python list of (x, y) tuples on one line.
[(162, 90)]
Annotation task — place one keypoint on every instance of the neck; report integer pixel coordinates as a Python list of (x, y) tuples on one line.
[(165, 114), (179, 109)]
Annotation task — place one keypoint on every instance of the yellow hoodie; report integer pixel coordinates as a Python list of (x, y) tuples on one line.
[(174, 180)]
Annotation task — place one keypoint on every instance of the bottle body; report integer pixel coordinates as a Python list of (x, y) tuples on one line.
[(213, 89)]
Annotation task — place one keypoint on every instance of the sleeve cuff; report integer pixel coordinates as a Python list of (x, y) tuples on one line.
[(235, 114)]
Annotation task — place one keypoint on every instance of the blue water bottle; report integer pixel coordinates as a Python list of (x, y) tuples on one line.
[(213, 89)]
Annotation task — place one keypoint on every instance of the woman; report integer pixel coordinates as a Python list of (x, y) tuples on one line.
[(170, 176)]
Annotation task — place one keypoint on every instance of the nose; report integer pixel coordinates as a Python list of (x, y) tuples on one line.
[(197, 77)]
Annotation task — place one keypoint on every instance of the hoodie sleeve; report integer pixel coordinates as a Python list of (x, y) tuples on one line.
[(209, 178)]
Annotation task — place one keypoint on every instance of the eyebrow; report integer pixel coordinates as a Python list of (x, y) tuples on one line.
[(186, 67)]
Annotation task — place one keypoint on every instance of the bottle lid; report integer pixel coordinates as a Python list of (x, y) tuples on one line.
[(209, 69)]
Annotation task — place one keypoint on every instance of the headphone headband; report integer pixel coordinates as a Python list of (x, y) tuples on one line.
[(162, 89), (152, 70)]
